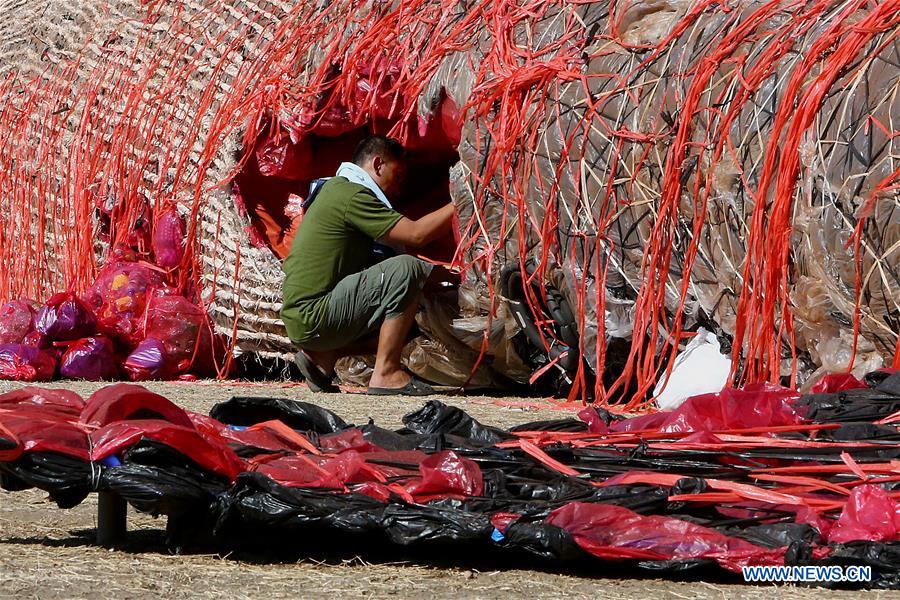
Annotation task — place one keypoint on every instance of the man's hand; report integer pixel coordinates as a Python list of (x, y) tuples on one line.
[(422, 231)]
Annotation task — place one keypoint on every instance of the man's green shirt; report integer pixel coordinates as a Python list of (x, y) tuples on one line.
[(334, 240)]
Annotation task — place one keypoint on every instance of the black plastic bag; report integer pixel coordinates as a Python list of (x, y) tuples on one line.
[(67, 480), (303, 416), (437, 417), (157, 479), (568, 425)]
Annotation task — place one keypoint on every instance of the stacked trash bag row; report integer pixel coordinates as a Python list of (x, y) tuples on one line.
[(131, 323), (759, 476)]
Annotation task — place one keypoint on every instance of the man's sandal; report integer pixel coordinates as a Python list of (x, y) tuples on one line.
[(315, 378), (415, 387)]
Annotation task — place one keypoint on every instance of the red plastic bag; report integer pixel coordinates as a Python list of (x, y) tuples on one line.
[(168, 238), (447, 473), (65, 317), (91, 358), (147, 361), (26, 363), (870, 514), (184, 330), (119, 297), (17, 321)]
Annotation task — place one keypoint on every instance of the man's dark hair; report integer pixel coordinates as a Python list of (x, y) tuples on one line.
[(378, 145)]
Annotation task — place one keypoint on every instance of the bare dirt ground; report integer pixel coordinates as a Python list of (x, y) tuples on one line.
[(46, 552)]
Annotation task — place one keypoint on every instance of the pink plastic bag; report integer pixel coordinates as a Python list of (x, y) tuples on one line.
[(168, 239), (119, 296), (16, 320), (91, 358), (65, 317), (870, 514), (26, 363)]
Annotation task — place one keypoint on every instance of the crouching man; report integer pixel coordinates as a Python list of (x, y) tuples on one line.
[(338, 299)]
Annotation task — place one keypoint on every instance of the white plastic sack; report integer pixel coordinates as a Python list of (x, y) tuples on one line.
[(700, 369)]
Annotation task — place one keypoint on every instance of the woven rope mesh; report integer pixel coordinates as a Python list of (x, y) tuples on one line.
[(663, 164)]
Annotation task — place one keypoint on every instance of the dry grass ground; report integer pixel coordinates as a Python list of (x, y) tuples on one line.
[(49, 553)]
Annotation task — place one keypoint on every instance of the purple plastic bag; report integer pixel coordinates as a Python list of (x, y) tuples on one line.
[(91, 358), (148, 361), (26, 363), (64, 317), (16, 321)]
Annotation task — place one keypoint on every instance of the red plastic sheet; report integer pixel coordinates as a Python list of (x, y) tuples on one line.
[(7, 439), (270, 435), (757, 405), (210, 453), (64, 402), (616, 533), (351, 439), (44, 421), (333, 472), (836, 382)]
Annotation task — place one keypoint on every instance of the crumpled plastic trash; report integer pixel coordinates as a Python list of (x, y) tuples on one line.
[(91, 358), (16, 320), (700, 369), (65, 318)]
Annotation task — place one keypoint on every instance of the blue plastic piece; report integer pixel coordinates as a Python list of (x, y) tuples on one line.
[(111, 461)]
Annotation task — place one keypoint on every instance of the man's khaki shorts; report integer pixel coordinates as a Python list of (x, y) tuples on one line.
[(359, 303)]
